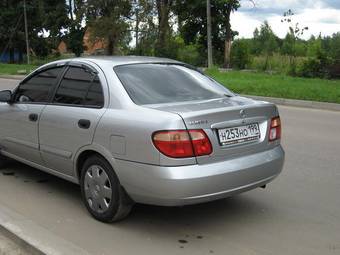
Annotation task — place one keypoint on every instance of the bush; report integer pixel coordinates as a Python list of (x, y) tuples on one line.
[(277, 63), (319, 66), (240, 54), (335, 70), (190, 54)]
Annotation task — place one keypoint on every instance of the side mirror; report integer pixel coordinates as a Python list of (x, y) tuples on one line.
[(5, 96)]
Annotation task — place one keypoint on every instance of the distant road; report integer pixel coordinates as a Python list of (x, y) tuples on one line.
[(8, 83)]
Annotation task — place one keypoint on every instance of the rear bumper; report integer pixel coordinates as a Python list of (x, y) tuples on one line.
[(183, 185)]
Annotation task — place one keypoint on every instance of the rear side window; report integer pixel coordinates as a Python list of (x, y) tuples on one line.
[(38, 88), (167, 83), (80, 88)]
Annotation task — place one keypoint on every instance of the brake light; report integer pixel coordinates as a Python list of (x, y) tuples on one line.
[(200, 142), (182, 143), (275, 129)]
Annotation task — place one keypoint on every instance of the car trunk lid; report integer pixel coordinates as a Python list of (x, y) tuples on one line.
[(213, 115)]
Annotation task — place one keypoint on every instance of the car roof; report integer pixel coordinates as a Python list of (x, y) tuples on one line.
[(110, 61), (125, 60)]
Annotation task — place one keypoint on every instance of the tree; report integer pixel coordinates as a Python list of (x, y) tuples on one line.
[(331, 44), (294, 34), (76, 31), (54, 18), (75, 39), (229, 6), (108, 19), (145, 29), (256, 48), (164, 32), (44, 16), (269, 42), (240, 54), (11, 30), (193, 25), (288, 45)]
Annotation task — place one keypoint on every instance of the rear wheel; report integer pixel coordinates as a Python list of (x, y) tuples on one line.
[(101, 191)]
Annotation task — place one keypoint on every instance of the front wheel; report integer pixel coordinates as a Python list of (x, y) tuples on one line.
[(101, 191)]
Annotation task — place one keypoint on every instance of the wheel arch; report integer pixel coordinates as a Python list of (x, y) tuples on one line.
[(88, 151)]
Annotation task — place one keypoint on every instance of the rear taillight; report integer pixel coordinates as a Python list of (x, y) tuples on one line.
[(275, 129), (200, 142), (182, 143)]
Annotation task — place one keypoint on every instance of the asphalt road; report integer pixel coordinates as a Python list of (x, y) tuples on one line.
[(8, 83), (9, 247), (299, 213)]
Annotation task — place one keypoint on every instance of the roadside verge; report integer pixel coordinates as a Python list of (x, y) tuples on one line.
[(298, 103), (12, 77)]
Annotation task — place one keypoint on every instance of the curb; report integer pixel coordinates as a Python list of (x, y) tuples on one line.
[(298, 103), (12, 77), (33, 238)]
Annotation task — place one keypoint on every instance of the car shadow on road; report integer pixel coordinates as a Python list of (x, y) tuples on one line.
[(205, 215)]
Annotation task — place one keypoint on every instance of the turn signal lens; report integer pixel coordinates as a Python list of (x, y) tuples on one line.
[(182, 143), (275, 129)]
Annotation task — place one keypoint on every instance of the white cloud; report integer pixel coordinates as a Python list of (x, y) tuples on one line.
[(319, 16), (244, 24)]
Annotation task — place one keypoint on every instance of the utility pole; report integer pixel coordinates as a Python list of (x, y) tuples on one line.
[(26, 35), (210, 58), (137, 27)]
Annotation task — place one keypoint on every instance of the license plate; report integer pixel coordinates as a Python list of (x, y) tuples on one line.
[(241, 134)]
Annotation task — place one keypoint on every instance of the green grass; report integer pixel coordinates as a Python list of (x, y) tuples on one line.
[(281, 86), (277, 63), (35, 63), (16, 68)]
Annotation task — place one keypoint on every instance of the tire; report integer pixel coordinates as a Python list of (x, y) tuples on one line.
[(102, 194)]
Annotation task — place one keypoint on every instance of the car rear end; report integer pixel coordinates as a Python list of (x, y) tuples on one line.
[(229, 144)]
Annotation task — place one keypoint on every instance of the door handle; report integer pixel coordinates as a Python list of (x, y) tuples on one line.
[(33, 117), (84, 124)]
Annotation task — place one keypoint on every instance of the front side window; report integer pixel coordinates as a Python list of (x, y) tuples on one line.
[(80, 87), (38, 88), (167, 83)]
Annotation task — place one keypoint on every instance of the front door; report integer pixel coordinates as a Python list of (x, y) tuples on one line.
[(19, 121), (69, 122)]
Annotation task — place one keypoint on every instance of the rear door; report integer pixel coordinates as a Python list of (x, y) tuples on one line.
[(19, 120), (69, 122)]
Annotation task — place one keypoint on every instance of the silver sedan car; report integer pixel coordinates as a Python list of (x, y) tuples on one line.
[(139, 129)]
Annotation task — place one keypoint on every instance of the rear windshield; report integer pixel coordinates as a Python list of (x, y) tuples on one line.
[(164, 83)]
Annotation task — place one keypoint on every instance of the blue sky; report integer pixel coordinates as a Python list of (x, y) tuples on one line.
[(321, 16)]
